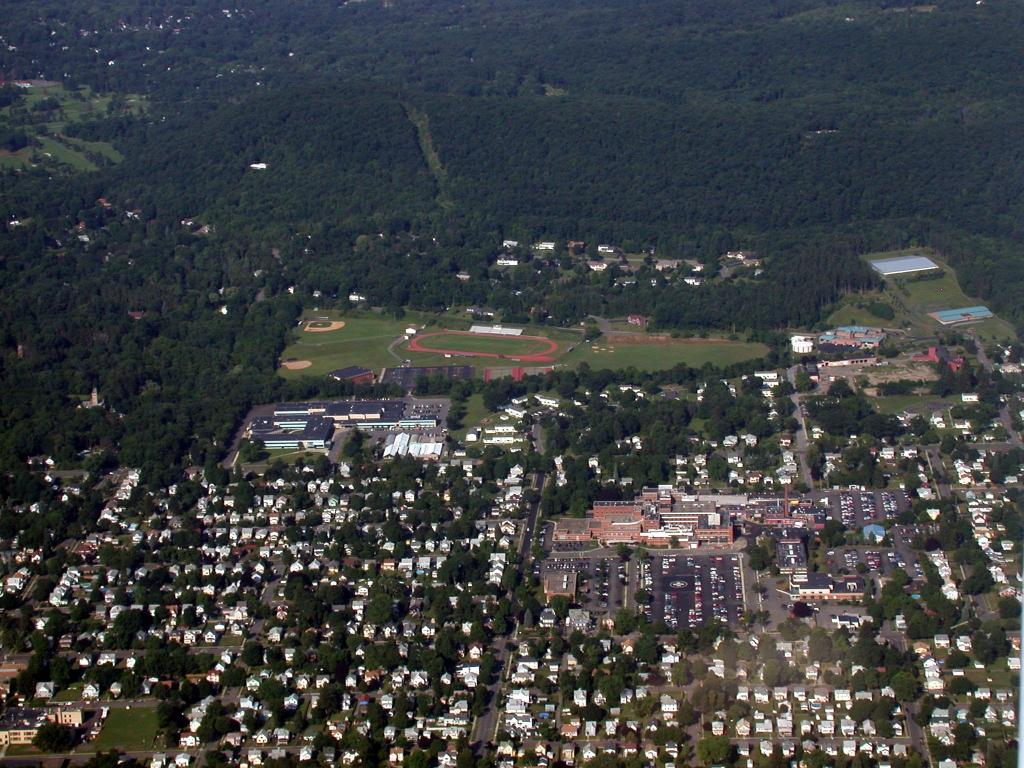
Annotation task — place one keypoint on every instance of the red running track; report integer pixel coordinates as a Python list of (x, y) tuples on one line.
[(543, 356)]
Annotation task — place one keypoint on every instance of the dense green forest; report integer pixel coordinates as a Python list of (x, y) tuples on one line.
[(403, 140)]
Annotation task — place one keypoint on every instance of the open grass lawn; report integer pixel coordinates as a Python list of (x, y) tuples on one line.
[(475, 412), (924, 296), (996, 676), (655, 357), (853, 310), (290, 456), (914, 403), (62, 153), (72, 693), (363, 341), (130, 730), (99, 147)]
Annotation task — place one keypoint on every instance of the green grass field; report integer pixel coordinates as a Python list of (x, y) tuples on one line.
[(853, 310), (476, 411), (53, 149), (363, 341), (98, 147), (655, 357), (130, 730), (72, 693), (913, 403), (504, 345)]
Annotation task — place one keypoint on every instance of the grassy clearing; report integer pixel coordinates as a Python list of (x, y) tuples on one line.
[(55, 150), (476, 411), (853, 310), (421, 122), (72, 693), (996, 676), (290, 455), (97, 147), (655, 357), (130, 730), (914, 403), (14, 160)]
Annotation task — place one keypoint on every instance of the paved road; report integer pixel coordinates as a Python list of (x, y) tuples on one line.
[(531, 523), (485, 728), (1004, 410), (391, 349), (801, 435), (144, 757), (937, 470)]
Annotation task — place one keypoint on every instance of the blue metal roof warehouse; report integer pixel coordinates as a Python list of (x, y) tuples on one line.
[(963, 315)]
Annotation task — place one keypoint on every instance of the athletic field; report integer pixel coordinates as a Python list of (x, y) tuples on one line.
[(523, 349), (325, 341)]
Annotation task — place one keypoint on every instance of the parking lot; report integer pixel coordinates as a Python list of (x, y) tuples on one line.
[(689, 591), (600, 585), (875, 561), (408, 376), (855, 509)]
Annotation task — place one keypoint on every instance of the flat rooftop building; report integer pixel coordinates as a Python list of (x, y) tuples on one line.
[(560, 584), (314, 433), (658, 517), (852, 337), (790, 556), (963, 315), (903, 265), (364, 414)]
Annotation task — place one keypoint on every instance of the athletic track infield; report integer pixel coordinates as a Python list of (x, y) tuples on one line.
[(543, 353)]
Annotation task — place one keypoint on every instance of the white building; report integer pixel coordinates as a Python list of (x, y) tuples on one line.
[(802, 345)]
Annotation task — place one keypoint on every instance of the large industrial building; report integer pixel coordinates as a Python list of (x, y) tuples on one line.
[(962, 315), (659, 517), (851, 337), (363, 414), (903, 265), (417, 446), (312, 434), (310, 425)]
